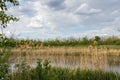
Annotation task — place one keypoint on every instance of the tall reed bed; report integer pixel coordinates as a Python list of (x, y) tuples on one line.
[(71, 57), (67, 63)]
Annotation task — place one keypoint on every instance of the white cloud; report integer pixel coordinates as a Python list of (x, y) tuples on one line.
[(85, 9), (36, 22), (103, 32), (45, 19)]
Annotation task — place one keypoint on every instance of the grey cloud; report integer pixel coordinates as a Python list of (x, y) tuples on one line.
[(53, 4), (105, 5), (27, 11), (56, 4), (68, 16)]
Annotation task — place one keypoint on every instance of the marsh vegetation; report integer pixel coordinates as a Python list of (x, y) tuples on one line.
[(61, 63), (28, 60)]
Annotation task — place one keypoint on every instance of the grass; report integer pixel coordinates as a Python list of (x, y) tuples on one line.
[(79, 50), (112, 46)]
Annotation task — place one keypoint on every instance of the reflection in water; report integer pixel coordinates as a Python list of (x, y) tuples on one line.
[(94, 62)]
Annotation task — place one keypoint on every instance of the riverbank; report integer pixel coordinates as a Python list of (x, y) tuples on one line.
[(46, 72)]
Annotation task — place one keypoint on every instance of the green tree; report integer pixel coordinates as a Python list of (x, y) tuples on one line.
[(97, 38), (5, 18)]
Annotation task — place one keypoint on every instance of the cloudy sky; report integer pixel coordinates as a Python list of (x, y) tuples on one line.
[(45, 19)]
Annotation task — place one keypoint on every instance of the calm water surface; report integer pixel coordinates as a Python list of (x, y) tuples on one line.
[(94, 62)]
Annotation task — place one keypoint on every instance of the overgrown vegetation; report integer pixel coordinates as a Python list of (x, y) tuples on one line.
[(4, 65), (44, 71), (11, 42)]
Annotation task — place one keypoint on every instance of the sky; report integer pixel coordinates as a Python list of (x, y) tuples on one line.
[(50, 19)]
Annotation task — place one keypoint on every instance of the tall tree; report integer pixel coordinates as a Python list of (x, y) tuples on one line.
[(5, 18)]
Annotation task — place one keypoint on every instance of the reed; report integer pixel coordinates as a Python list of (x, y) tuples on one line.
[(71, 57), (67, 63), (44, 71)]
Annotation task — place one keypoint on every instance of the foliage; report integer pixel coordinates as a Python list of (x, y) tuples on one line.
[(97, 38), (4, 18), (4, 66), (7, 42), (11, 42), (4, 72)]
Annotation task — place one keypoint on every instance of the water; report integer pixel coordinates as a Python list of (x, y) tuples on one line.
[(94, 62)]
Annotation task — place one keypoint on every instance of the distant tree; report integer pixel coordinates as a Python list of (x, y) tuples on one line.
[(5, 18), (97, 38)]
